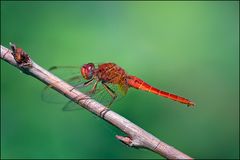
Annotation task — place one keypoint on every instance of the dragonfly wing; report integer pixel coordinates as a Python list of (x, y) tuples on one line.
[(104, 97), (49, 95), (71, 105), (70, 74), (101, 95), (84, 88)]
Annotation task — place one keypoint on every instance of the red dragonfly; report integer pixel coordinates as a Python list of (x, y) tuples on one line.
[(110, 75)]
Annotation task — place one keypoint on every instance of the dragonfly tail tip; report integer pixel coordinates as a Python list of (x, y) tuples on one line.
[(191, 104)]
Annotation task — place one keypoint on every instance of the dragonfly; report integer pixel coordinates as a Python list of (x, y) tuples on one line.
[(109, 79)]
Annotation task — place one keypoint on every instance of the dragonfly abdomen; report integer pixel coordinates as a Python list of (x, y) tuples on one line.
[(140, 84)]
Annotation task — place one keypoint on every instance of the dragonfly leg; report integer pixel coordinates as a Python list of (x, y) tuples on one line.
[(83, 84), (92, 91), (111, 92), (94, 88), (87, 84)]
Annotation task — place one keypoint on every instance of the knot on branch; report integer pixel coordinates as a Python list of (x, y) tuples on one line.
[(20, 56)]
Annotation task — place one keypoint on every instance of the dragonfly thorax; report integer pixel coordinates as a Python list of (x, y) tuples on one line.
[(110, 73), (87, 71)]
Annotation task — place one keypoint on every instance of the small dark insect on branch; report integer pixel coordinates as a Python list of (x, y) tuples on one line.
[(136, 136)]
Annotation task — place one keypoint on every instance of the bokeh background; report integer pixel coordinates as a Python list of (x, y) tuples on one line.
[(187, 48)]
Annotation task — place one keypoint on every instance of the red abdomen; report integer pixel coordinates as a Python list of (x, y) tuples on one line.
[(140, 84)]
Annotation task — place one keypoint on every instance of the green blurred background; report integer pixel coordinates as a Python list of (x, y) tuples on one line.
[(187, 48)]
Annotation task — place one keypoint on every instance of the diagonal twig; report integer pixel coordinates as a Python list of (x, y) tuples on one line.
[(136, 136)]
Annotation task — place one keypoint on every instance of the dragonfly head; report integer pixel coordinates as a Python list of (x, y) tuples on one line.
[(87, 70)]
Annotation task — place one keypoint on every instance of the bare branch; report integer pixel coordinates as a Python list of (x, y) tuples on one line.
[(136, 136)]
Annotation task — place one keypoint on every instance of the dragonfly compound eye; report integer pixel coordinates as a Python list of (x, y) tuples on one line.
[(87, 70)]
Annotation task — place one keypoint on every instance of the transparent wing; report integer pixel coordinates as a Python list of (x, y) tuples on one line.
[(85, 88), (70, 74), (105, 95), (100, 95)]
